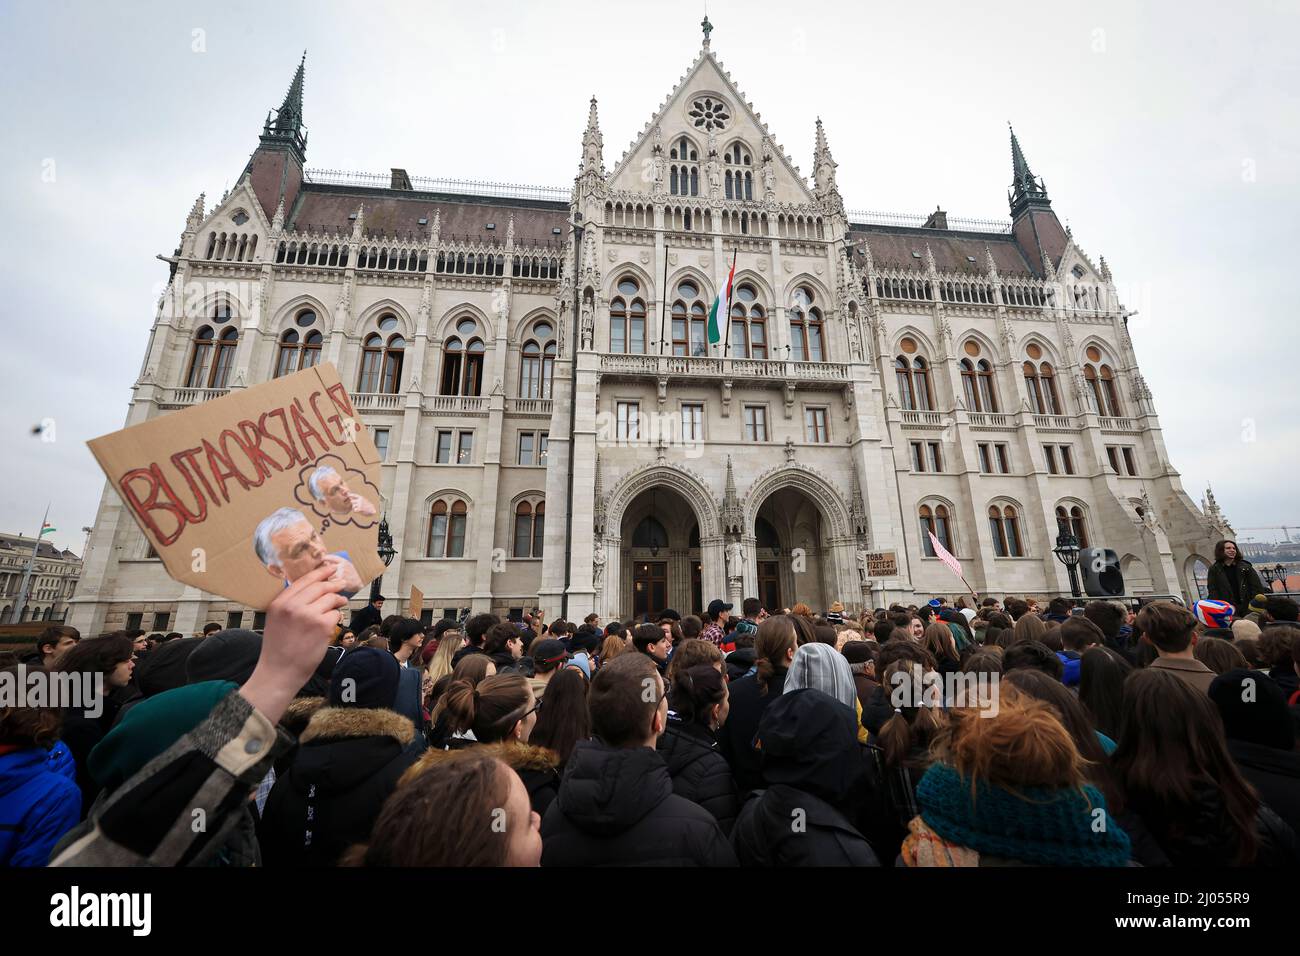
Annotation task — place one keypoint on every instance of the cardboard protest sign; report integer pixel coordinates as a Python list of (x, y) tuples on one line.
[(241, 495), (416, 604)]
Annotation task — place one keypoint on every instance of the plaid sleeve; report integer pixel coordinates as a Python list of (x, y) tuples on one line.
[(181, 805)]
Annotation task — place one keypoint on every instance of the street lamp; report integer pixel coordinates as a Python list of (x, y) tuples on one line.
[(1275, 573), (386, 554), (1067, 552)]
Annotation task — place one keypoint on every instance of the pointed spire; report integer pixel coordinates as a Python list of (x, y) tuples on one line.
[(283, 126), (990, 266), (277, 223), (510, 232), (1026, 188), (291, 108), (1105, 271), (358, 227), (733, 515), (593, 144), (195, 217), (436, 231), (824, 171), (930, 266)]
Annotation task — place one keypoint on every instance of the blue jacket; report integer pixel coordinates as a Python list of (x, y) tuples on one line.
[(39, 803), (1070, 676)]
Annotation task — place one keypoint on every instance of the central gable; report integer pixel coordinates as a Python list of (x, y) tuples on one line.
[(706, 109)]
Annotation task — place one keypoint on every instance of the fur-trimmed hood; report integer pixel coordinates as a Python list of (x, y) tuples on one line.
[(299, 713), (518, 757), (336, 723)]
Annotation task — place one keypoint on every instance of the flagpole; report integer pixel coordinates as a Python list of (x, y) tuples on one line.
[(726, 353), (663, 301), (21, 603)]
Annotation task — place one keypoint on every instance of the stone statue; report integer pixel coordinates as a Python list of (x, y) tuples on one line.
[(588, 325), (598, 565), (862, 565), (735, 560), (769, 172)]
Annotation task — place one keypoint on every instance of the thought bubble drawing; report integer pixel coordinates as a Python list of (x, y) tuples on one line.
[(337, 494)]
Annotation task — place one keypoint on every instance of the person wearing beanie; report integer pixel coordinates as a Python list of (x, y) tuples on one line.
[(813, 771), (1009, 788), (1261, 739), (835, 615), (1245, 629), (1215, 617), (227, 655), (823, 668), (349, 759)]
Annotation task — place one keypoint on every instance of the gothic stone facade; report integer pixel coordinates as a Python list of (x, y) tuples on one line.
[(878, 381), (52, 584)]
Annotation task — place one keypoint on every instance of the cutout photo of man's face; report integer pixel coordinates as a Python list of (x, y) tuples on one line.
[(338, 498), (298, 549)]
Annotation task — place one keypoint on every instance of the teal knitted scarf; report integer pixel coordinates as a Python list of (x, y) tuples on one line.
[(1037, 825)]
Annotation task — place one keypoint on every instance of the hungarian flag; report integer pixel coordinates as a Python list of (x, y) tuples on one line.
[(46, 528), (715, 327)]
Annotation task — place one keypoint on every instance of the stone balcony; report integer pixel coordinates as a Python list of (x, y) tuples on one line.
[(807, 375), (185, 397)]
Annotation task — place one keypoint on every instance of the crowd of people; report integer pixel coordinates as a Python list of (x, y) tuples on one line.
[(1164, 736)]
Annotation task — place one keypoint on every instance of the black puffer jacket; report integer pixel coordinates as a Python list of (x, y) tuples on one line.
[(815, 772), (1202, 836), (700, 773), (616, 807), (736, 740), (739, 662), (348, 761)]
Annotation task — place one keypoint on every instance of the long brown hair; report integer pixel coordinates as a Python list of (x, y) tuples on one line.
[(1030, 627), (443, 816), (563, 719), (472, 668), (776, 636), (1073, 717), (1222, 558), (911, 728), (937, 639), (491, 708), (1171, 744)]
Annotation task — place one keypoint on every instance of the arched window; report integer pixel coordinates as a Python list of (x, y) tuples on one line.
[(1070, 521), (978, 386), (650, 534), (211, 358), (690, 332), (627, 313), (381, 361), (529, 526), (1040, 383), (1004, 524), (935, 520), (538, 362), (739, 179), (914, 392), (683, 170), (298, 352), (806, 328), (748, 324), (1103, 394), (447, 529)]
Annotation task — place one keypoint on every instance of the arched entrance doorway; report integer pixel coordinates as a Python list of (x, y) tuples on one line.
[(793, 558), (660, 555)]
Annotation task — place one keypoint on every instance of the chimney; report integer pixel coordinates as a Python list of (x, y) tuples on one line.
[(400, 180), (938, 220)]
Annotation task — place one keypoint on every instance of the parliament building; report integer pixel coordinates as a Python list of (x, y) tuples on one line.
[(558, 428)]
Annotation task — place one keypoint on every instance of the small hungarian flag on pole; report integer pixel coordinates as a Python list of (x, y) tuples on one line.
[(46, 528), (715, 330)]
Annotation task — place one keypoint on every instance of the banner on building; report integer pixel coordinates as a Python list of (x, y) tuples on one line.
[(241, 495)]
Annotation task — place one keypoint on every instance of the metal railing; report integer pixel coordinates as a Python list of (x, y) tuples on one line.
[(872, 217), (711, 367), (439, 184)]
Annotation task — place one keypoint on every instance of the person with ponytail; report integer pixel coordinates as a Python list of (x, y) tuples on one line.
[(1009, 788), (774, 650), (897, 758), (698, 705), (471, 668), (500, 711)]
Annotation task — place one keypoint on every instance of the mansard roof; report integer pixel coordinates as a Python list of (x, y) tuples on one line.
[(892, 247), (393, 212)]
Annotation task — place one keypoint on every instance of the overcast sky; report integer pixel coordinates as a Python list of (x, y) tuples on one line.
[(1168, 134)]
